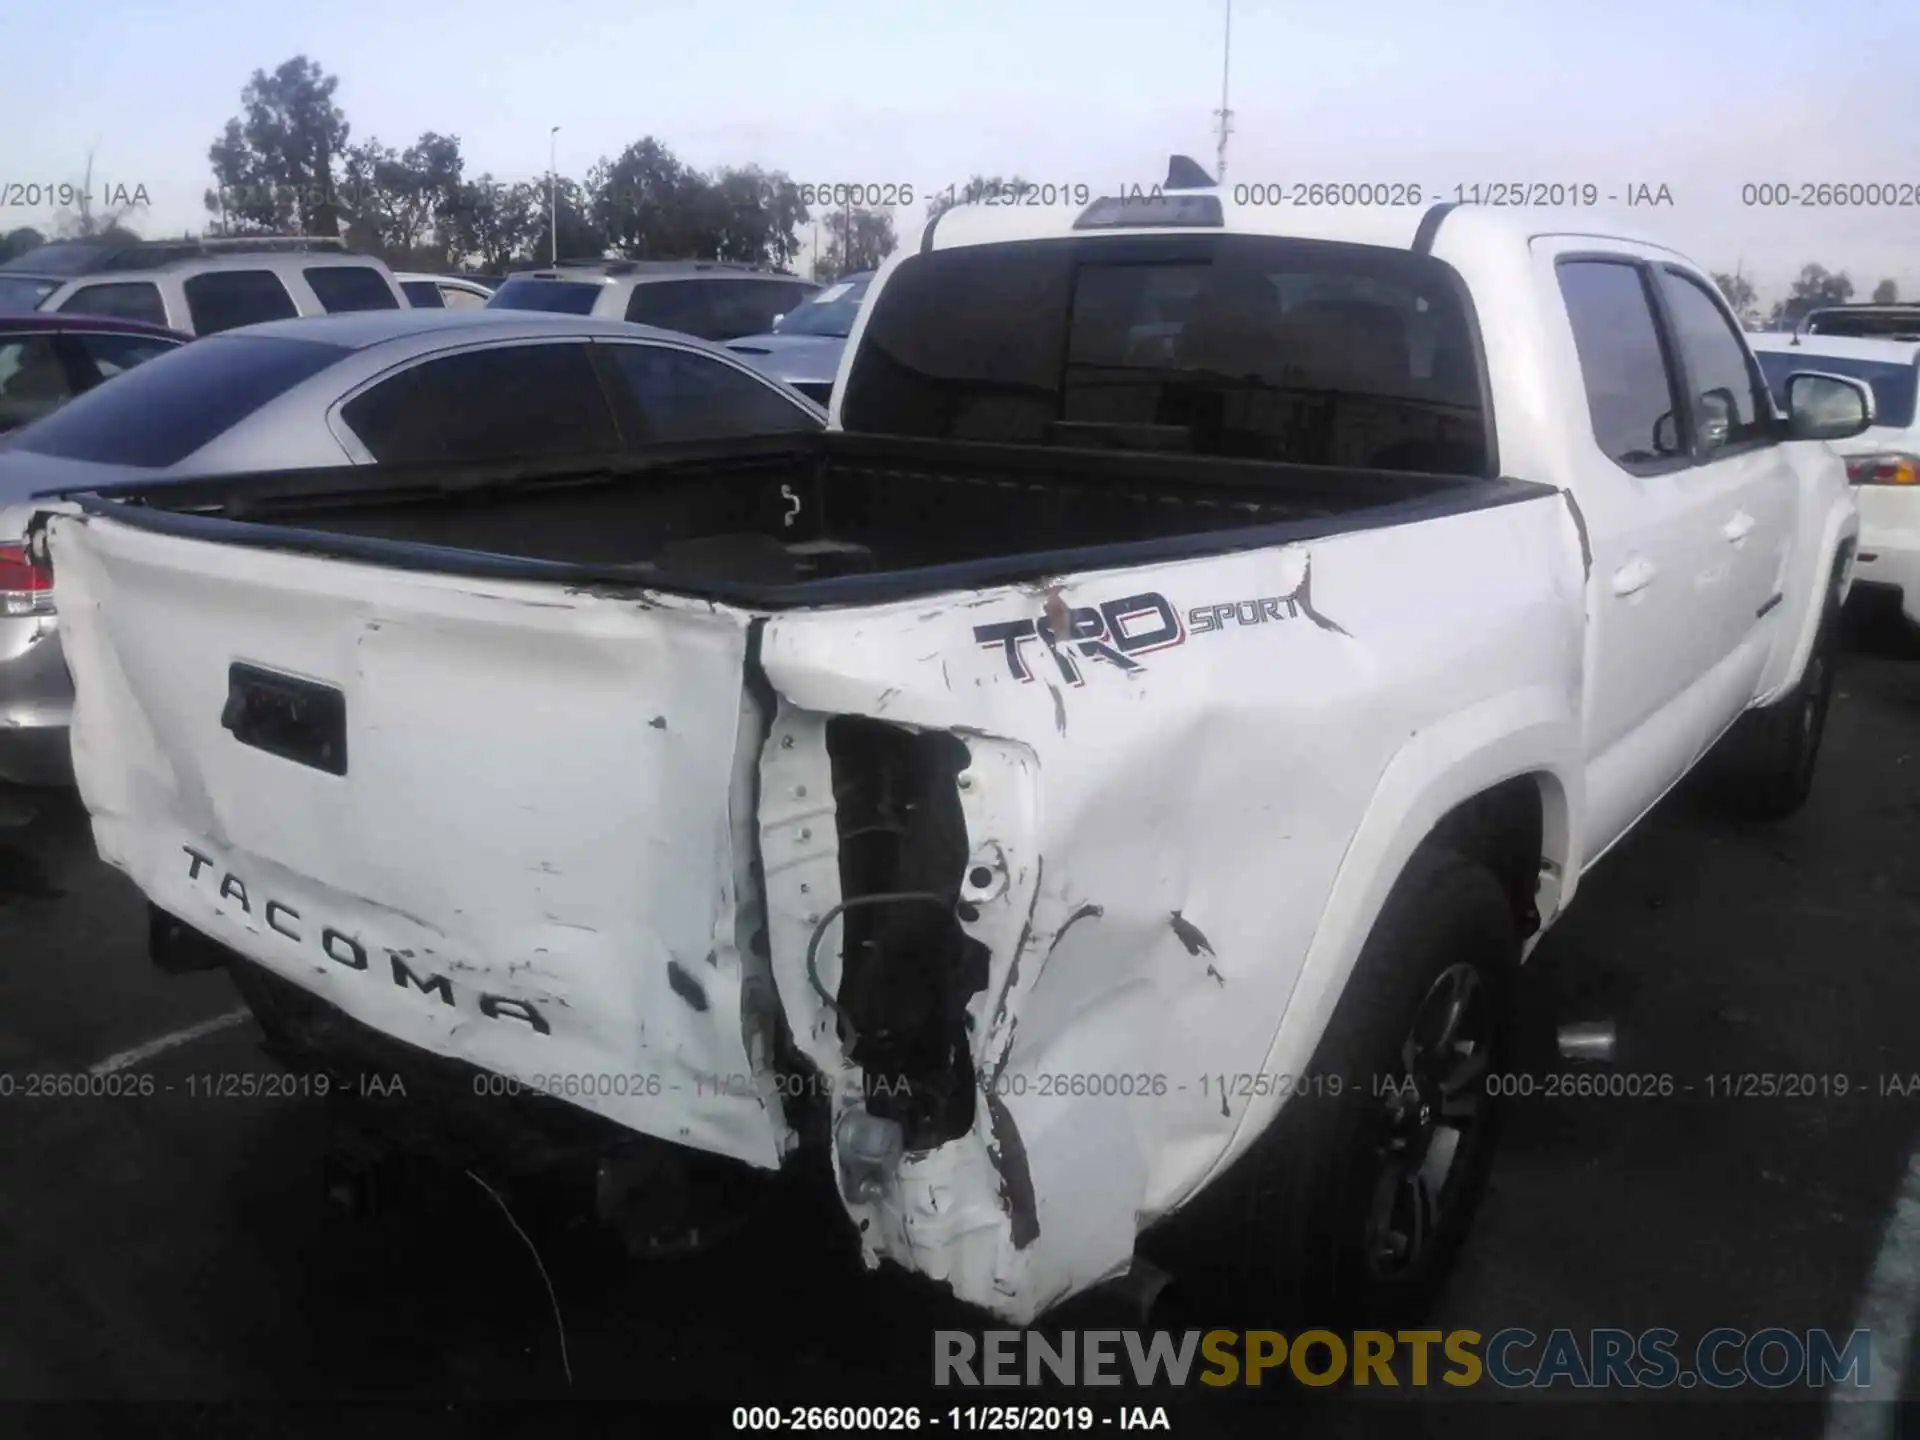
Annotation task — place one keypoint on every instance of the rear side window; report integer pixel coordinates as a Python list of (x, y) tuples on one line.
[(682, 305), (160, 412), (1630, 394), (1297, 351), (109, 355), (341, 288), (422, 294), (131, 301), (227, 299), (682, 396), (565, 297), (512, 402)]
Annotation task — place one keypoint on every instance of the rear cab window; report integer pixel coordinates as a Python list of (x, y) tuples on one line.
[(422, 294), (1250, 347), (123, 300), (227, 299), (341, 288), (159, 413), (563, 297)]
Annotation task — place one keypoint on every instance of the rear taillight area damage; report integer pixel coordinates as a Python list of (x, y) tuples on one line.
[(26, 584), (901, 873)]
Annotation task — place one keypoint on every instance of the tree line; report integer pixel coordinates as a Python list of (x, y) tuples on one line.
[(1814, 287), (288, 163)]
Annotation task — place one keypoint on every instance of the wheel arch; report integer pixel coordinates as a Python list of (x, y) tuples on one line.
[(1501, 781)]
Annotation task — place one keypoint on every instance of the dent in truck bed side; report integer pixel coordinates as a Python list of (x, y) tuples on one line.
[(1150, 852)]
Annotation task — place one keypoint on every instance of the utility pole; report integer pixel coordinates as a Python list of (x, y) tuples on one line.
[(553, 202), (1224, 115)]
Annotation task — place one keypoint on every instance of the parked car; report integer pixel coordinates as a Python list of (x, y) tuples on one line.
[(1889, 321), (394, 387), (1883, 462), (197, 287), (443, 292), (708, 299), (804, 346), (45, 362), (1105, 778)]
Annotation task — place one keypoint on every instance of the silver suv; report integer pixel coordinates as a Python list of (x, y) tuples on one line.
[(198, 287), (712, 299)]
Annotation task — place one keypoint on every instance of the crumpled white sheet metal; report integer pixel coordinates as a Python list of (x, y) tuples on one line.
[(1192, 784)]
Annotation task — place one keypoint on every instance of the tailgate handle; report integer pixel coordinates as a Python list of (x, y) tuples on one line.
[(298, 720)]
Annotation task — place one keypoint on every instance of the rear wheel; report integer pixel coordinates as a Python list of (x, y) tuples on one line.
[(1352, 1207), (1764, 766)]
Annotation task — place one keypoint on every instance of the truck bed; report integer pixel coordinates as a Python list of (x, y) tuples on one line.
[(789, 521)]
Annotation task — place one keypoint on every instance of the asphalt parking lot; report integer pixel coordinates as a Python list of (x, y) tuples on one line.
[(181, 1248)]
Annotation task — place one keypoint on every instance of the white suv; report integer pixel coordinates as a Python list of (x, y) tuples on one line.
[(1883, 462), (198, 287), (711, 299)]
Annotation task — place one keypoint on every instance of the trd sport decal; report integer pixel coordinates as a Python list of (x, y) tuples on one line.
[(1115, 633), (1122, 630), (1296, 602)]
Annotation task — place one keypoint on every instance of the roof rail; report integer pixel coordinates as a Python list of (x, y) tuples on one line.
[(1904, 309), (616, 265), (270, 242), (93, 257)]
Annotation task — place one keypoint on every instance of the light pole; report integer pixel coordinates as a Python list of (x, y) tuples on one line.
[(553, 203), (1226, 115)]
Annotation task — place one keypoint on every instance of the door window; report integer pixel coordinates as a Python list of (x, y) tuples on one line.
[(132, 301), (340, 288), (1630, 393), (511, 402), (682, 396), (227, 299), (1730, 408)]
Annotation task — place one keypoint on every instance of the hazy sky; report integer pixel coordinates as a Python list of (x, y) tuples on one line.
[(1703, 97)]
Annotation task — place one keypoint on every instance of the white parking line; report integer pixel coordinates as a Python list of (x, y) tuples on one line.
[(168, 1041), (1887, 1313)]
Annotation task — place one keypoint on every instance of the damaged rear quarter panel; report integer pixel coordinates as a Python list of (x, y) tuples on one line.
[(1174, 817)]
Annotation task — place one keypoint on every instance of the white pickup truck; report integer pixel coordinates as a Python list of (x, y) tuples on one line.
[(1116, 768)]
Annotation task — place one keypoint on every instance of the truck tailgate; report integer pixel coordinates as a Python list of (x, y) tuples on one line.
[(499, 821)]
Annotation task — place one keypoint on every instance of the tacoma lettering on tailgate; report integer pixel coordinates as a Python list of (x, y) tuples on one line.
[(346, 951)]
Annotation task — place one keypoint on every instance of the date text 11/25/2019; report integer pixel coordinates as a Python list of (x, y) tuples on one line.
[(787, 1418), (41, 194), (1554, 194)]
